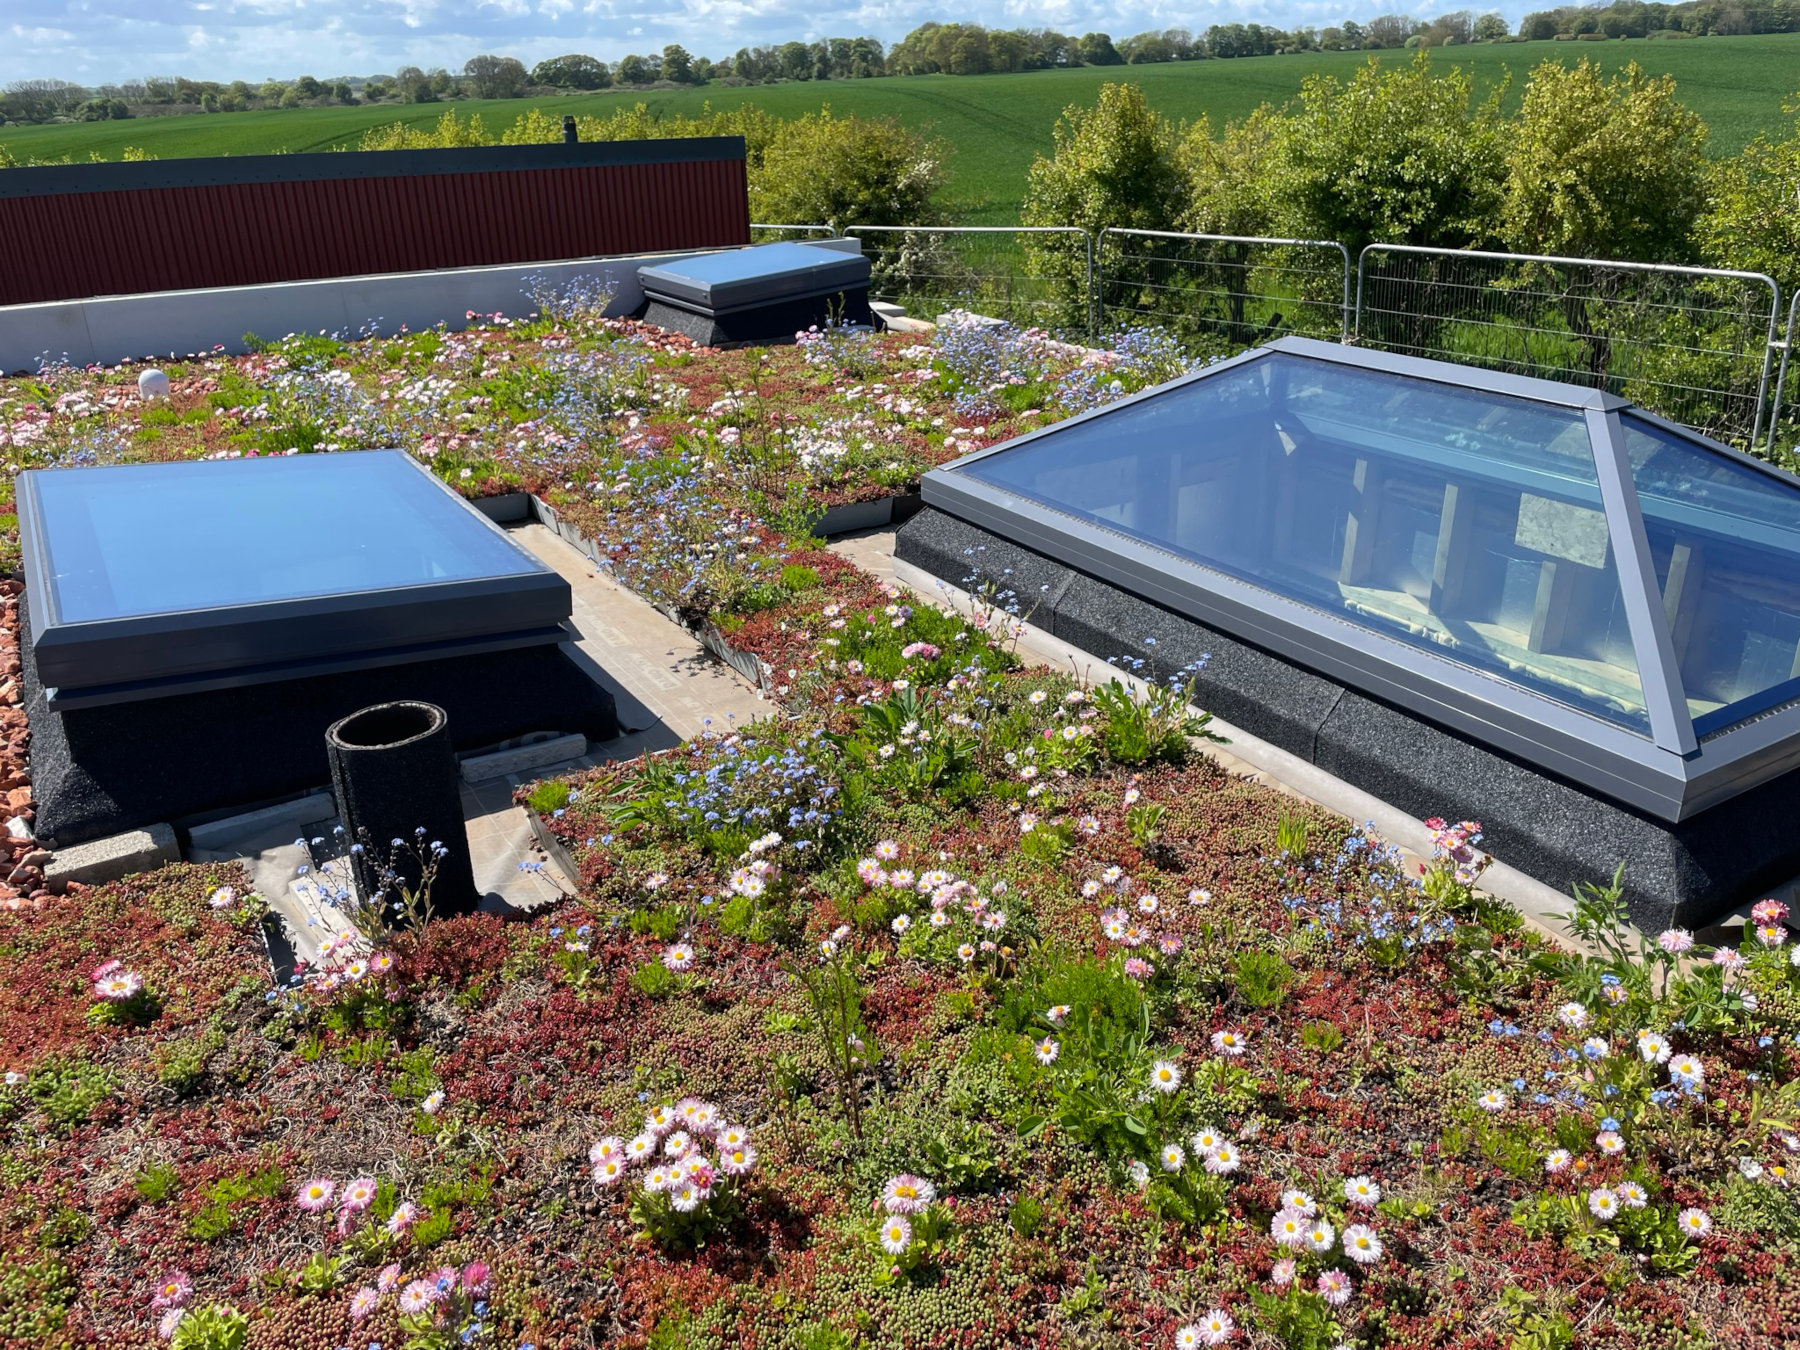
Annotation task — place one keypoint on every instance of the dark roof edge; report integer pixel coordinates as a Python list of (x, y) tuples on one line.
[(57, 180)]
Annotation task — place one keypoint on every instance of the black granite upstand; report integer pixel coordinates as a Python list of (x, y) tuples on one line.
[(1685, 874), (776, 321), (99, 771)]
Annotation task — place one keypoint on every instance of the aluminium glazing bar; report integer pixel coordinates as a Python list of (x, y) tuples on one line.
[(1658, 672)]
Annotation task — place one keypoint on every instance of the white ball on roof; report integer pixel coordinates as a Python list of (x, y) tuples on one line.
[(153, 384)]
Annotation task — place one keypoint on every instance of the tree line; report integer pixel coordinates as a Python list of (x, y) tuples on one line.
[(931, 49), (1589, 166)]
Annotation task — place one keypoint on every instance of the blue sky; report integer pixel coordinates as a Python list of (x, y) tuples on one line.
[(99, 41)]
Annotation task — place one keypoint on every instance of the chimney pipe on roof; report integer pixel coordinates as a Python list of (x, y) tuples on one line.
[(570, 135)]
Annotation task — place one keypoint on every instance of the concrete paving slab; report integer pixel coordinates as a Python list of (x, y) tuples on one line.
[(284, 820), (500, 840), (523, 759), (638, 653), (871, 550), (118, 855)]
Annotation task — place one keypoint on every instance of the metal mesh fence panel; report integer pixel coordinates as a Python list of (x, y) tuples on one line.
[(1032, 277), (1692, 344), (1222, 293)]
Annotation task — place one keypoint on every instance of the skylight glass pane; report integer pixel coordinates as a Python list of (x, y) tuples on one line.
[(1463, 523), (1725, 538), (170, 538)]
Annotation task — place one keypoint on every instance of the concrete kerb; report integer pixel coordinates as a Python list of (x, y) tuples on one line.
[(1540, 906), (119, 855)]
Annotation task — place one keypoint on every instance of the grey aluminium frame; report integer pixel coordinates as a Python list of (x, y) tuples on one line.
[(145, 656), (1670, 774)]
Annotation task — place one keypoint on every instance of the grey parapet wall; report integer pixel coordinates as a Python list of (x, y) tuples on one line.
[(162, 324), (1553, 830)]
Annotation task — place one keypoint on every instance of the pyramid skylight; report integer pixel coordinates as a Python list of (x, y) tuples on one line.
[(1544, 566)]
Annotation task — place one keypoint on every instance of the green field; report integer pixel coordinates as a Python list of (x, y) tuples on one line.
[(996, 123)]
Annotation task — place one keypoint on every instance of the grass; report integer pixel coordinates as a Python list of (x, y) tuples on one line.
[(998, 123)]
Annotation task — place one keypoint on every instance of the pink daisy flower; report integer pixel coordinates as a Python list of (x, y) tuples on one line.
[(359, 1194), (400, 1222), (175, 1290), (315, 1195), (1334, 1287), (417, 1297), (907, 1194), (735, 1162)]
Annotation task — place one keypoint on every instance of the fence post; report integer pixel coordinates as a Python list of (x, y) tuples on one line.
[(1362, 262), (1762, 383), (1345, 339), (1787, 347), (1099, 278), (1096, 309)]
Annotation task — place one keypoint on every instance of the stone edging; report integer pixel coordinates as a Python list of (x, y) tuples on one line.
[(751, 667), (553, 848)]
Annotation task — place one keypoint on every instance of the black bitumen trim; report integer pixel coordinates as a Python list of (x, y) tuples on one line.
[(55, 180), (64, 698), (1546, 826), (100, 771), (775, 322)]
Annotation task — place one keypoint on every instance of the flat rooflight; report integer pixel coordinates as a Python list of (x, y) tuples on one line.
[(146, 573)]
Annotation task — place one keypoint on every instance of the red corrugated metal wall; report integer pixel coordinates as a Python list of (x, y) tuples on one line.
[(74, 245)]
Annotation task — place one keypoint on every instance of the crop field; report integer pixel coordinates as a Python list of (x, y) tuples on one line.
[(995, 124)]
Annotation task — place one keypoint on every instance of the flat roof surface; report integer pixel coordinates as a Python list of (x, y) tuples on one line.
[(144, 572)]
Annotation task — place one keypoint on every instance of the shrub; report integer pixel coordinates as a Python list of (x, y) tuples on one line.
[(848, 171), (1113, 166), (812, 170), (1751, 220), (1397, 155), (449, 132), (1603, 169)]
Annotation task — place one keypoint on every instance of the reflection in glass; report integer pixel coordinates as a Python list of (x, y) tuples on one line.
[(169, 538), (1464, 523), (1725, 538)]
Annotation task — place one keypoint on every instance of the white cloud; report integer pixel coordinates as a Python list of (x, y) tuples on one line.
[(100, 41)]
